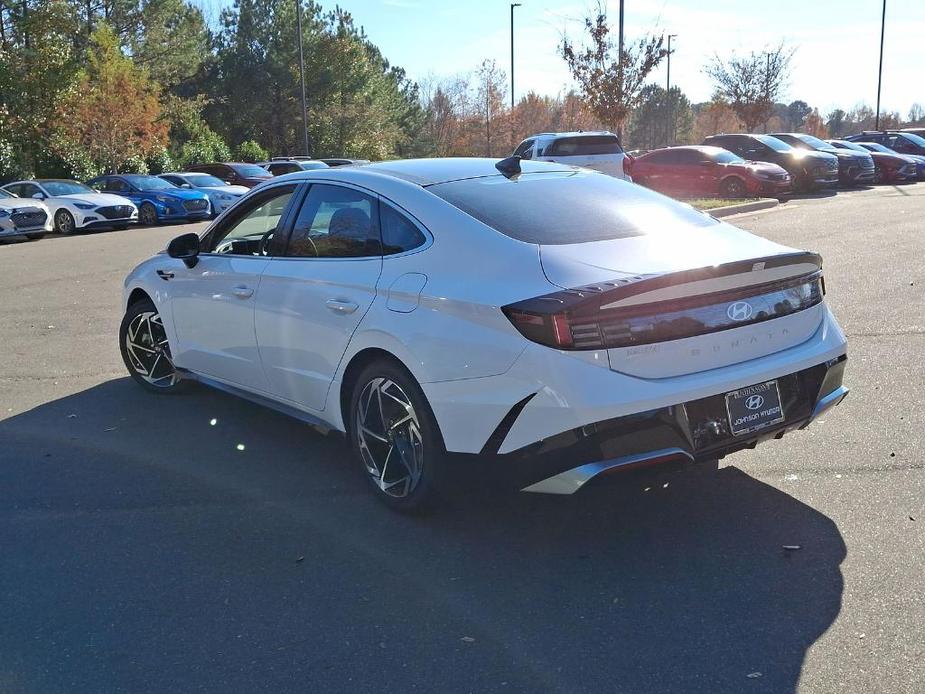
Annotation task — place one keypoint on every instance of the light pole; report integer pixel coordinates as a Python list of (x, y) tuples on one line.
[(620, 66), (668, 92), (513, 5), (298, 21), (880, 70)]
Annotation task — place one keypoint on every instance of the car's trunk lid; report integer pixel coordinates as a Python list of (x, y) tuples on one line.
[(667, 306)]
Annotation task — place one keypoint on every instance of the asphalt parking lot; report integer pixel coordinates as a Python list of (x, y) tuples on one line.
[(143, 551)]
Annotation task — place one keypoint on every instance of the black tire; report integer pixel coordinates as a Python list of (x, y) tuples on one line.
[(64, 222), (413, 486), (878, 175), (148, 359), (147, 215), (733, 187)]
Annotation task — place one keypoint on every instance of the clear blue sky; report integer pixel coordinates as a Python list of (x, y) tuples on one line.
[(837, 41)]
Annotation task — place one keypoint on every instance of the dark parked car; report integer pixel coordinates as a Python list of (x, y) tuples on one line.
[(853, 167), (918, 158), (810, 170), (702, 171), (278, 167), (235, 173), (897, 140), (890, 167)]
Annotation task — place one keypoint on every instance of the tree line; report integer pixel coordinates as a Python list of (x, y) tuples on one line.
[(91, 86)]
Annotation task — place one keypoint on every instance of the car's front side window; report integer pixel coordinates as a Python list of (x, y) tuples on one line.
[(251, 229), (335, 222)]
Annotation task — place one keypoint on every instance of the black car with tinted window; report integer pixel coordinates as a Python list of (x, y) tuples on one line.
[(853, 167), (900, 141), (810, 170)]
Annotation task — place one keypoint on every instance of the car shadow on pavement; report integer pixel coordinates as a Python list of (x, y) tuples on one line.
[(201, 542)]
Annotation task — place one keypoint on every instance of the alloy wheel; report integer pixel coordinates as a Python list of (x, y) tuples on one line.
[(147, 215), (64, 222), (389, 437), (148, 351)]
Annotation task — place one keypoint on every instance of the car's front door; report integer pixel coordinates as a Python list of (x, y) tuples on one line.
[(212, 303), (312, 299)]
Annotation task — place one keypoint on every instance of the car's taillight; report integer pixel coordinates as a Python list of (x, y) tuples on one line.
[(579, 319)]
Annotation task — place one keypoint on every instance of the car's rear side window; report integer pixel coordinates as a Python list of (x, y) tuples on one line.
[(584, 145), (567, 207)]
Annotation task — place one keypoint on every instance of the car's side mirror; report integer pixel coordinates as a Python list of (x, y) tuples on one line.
[(38, 196), (228, 183), (186, 248), (185, 185)]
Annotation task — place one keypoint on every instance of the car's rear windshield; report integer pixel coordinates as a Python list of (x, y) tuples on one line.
[(250, 170), (816, 143), (567, 207), (774, 143), (584, 145)]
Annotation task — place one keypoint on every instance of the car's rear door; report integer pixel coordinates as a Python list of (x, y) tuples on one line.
[(312, 298), (212, 303)]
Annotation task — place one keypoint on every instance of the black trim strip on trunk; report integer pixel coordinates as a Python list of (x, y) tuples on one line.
[(590, 297), (493, 444)]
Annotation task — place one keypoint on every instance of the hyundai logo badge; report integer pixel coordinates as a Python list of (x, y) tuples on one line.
[(754, 402), (739, 311)]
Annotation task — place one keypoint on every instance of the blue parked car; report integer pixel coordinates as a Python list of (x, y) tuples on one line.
[(221, 195), (156, 199)]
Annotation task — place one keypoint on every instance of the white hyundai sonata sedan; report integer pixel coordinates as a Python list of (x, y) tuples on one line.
[(559, 322)]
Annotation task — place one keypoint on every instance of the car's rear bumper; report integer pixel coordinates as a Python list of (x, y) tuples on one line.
[(547, 393), (689, 432)]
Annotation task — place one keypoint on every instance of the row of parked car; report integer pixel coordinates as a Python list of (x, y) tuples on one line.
[(743, 165), (35, 207)]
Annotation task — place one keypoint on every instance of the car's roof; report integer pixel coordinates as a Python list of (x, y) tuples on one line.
[(52, 180), (574, 133)]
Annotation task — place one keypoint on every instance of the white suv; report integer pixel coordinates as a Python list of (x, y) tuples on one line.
[(600, 150)]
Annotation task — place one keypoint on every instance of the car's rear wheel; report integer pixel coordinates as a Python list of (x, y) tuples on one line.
[(733, 188), (145, 350), (64, 222), (878, 175), (394, 434), (147, 214)]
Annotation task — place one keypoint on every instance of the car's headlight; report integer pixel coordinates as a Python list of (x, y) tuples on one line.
[(84, 206), (225, 197), (161, 198)]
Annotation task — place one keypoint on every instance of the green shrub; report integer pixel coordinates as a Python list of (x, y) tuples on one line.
[(251, 151)]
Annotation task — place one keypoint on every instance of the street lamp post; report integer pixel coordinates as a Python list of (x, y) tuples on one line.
[(620, 66), (298, 21), (880, 70), (668, 92), (513, 5)]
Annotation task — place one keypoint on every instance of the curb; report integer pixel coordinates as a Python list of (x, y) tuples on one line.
[(762, 204)]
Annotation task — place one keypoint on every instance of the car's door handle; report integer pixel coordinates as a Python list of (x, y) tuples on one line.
[(341, 305), (164, 275), (242, 292)]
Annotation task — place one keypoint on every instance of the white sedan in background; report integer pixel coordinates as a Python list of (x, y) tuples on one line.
[(558, 322), (221, 195), (75, 207), (18, 217)]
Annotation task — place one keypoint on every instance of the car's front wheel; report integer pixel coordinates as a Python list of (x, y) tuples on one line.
[(145, 350), (733, 188), (147, 215), (394, 434), (64, 222)]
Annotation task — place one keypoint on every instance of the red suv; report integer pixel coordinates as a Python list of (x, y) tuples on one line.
[(698, 171)]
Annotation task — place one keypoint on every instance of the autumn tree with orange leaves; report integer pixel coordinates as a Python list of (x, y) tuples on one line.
[(112, 114)]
